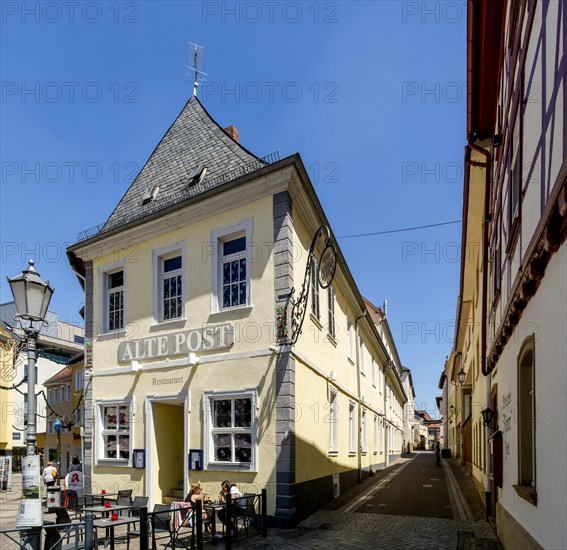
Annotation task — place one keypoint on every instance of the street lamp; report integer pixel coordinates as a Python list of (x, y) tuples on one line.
[(461, 376), (487, 417), (31, 297)]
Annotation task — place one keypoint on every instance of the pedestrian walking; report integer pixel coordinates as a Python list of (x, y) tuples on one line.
[(437, 454), (49, 475)]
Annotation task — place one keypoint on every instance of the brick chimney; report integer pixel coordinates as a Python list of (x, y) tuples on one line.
[(232, 132)]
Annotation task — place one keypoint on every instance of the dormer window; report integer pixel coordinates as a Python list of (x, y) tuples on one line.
[(197, 174), (150, 194)]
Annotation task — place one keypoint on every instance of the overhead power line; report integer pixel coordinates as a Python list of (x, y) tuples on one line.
[(398, 230)]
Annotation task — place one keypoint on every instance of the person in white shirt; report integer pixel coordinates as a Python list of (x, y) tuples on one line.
[(49, 474), (230, 488)]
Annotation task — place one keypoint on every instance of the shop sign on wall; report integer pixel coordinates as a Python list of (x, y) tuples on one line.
[(177, 343)]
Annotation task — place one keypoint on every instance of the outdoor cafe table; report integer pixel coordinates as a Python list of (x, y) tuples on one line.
[(109, 525), (107, 509), (100, 496)]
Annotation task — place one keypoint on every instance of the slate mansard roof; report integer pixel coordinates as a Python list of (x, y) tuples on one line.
[(193, 139)]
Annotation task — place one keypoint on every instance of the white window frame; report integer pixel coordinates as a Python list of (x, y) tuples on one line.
[(61, 394), (218, 237), (208, 430), (331, 297), (333, 420), (351, 427), (363, 435), (361, 354), (350, 340), (103, 272), (373, 372), (159, 255), (78, 380), (376, 436), (101, 460), (68, 394), (55, 392), (49, 398)]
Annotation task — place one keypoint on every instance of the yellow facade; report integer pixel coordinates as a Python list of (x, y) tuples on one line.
[(8, 344), (151, 401), (64, 393)]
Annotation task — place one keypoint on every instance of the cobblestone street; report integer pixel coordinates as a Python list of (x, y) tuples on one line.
[(413, 504), (369, 516)]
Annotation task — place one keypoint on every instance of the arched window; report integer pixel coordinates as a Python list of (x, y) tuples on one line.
[(526, 415)]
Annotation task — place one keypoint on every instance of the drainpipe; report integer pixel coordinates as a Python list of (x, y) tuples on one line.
[(357, 344), (487, 217)]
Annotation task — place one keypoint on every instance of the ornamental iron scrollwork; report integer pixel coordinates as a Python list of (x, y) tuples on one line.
[(325, 269)]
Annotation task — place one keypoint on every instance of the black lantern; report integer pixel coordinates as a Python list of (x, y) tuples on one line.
[(461, 376), (31, 294), (487, 416)]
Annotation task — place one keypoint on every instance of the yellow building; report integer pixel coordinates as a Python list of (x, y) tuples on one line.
[(195, 368), (9, 343), (64, 393)]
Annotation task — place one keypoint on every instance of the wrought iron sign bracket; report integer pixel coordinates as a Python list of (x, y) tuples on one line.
[(325, 273)]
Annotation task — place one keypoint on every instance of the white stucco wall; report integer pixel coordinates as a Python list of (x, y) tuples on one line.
[(546, 317)]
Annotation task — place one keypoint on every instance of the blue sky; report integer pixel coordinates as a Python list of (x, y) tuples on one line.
[(371, 94)]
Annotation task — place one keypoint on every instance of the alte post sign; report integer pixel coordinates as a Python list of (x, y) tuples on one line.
[(177, 343)]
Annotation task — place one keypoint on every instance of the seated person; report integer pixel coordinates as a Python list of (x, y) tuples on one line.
[(230, 488), (195, 494)]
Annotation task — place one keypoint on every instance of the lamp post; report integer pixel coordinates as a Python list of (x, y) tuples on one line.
[(31, 298)]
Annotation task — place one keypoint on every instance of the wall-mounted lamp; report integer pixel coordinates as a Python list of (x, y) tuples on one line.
[(487, 417), (452, 410), (461, 376)]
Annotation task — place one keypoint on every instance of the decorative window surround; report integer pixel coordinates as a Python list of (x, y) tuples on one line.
[(231, 430), (350, 340), (218, 238), (363, 437), (351, 427), (333, 421), (332, 329), (104, 286), (104, 430), (159, 258)]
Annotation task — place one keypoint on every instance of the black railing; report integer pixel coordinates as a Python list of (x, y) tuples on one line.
[(182, 528), (74, 536), (240, 518)]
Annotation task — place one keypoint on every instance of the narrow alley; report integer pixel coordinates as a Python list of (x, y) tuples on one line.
[(413, 504)]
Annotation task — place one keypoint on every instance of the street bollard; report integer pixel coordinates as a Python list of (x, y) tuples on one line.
[(89, 531), (264, 513), (199, 523), (143, 528), (228, 524)]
